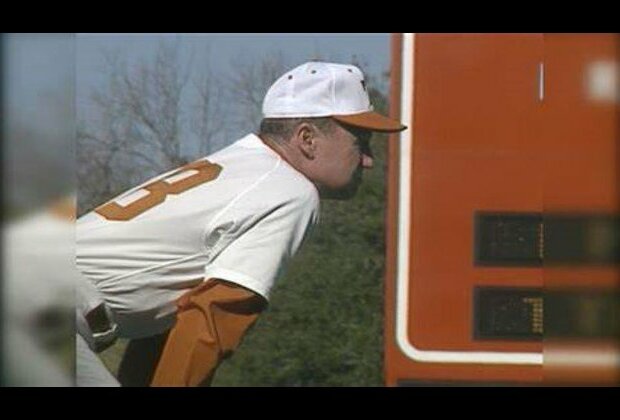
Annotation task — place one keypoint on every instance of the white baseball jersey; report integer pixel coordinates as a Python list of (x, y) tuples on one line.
[(238, 215)]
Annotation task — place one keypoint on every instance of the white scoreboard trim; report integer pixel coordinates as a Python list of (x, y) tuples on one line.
[(404, 227)]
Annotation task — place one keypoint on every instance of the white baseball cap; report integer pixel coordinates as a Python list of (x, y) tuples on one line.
[(318, 89)]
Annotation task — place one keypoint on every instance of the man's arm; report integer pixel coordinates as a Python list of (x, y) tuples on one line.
[(212, 320)]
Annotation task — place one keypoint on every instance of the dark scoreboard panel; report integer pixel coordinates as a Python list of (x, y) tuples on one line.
[(507, 313), (502, 220)]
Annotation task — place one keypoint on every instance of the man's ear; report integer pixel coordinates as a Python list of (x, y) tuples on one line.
[(306, 140)]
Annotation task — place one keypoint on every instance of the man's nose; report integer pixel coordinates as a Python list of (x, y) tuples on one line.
[(367, 161)]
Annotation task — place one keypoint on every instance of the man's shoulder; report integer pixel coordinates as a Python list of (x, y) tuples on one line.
[(242, 145), (290, 185), (265, 172)]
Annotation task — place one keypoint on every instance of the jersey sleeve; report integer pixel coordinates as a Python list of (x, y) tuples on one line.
[(260, 253)]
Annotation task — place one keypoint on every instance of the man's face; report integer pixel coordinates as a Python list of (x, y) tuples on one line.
[(342, 154)]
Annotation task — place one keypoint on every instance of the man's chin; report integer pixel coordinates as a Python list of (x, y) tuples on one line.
[(345, 193)]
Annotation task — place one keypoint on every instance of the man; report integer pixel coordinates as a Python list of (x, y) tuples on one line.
[(196, 251)]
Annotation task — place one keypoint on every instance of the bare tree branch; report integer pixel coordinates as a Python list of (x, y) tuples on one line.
[(149, 110), (249, 83)]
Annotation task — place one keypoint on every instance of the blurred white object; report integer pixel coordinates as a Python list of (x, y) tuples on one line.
[(38, 299), (602, 81)]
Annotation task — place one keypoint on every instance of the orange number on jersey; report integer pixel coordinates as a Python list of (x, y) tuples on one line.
[(158, 191)]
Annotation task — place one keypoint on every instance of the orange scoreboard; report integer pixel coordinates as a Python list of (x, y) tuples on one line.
[(502, 247)]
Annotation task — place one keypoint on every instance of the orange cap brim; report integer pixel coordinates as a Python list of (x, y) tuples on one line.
[(371, 121)]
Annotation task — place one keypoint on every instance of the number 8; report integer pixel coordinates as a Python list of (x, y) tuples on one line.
[(158, 191)]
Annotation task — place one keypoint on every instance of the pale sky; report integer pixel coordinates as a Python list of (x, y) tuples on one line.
[(371, 49), (48, 79), (42, 69)]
